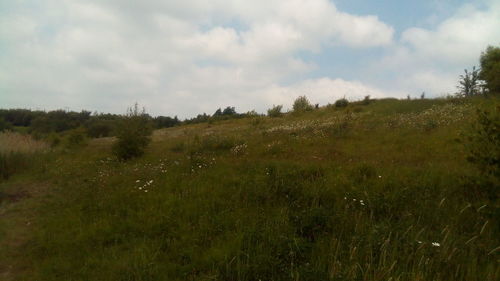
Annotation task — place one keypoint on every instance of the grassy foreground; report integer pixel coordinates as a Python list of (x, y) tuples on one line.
[(369, 192)]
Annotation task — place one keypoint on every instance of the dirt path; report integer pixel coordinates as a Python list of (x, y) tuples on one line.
[(18, 202)]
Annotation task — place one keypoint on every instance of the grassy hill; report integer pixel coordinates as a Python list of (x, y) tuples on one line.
[(375, 191)]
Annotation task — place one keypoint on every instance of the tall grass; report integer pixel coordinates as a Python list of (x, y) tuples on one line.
[(385, 199), (17, 152)]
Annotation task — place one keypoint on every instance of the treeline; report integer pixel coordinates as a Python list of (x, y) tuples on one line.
[(96, 125)]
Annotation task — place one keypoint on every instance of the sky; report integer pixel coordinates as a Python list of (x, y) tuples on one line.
[(189, 57)]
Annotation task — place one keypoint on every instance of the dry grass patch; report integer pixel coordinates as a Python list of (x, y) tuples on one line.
[(15, 142)]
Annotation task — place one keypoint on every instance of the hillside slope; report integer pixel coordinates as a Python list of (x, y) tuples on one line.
[(378, 191)]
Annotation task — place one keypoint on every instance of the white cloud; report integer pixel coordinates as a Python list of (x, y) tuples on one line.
[(431, 60), (174, 57), (323, 91), (459, 39)]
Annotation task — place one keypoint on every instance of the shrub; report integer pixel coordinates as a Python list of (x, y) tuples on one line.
[(341, 102), (275, 111), (366, 100), (133, 134), (302, 104), (76, 138), (4, 125), (483, 144), (490, 68), (99, 128)]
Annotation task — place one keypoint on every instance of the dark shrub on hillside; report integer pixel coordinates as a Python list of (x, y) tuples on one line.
[(483, 145), (366, 100), (4, 125), (100, 128), (133, 134), (302, 104), (76, 138), (275, 111), (341, 103)]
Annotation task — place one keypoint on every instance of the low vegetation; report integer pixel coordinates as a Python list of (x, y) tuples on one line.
[(387, 190), (302, 104), (18, 152), (133, 134)]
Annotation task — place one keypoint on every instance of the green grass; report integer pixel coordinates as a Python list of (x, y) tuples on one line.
[(358, 193)]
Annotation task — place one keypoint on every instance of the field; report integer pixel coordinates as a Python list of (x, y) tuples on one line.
[(380, 190)]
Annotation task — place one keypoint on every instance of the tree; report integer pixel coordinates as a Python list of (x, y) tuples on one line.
[(490, 69), (343, 102), (218, 112), (469, 83), (302, 104), (229, 111), (133, 134), (275, 111)]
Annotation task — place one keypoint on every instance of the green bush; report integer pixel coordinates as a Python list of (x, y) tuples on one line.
[(275, 111), (4, 125), (341, 102), (75, 138), (483, 145), (366, 100), (99, 128), (302, 104), (133, 134)]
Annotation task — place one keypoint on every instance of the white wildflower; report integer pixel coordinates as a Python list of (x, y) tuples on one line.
[(436, 244)]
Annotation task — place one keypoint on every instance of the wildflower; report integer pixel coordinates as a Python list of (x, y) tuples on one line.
[(137, 180), (419, 242), (436, 244), (379, 177)]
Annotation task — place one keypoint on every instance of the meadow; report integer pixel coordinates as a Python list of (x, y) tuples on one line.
[(378, 190)]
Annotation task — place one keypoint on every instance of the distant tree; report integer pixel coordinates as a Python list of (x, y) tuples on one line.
[(218, 112), (229, 111), (490, 69), (166, 122), (302, 104), (422, 96), (275, 111), (469, 83), (366, 100), (97, 128), (133, 134), (4, 125), (343, 102)]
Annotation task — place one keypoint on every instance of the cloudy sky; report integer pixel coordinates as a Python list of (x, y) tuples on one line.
[(192, 56)]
